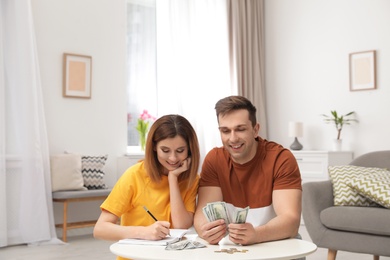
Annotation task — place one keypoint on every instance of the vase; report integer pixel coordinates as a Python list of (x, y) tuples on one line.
[(142, 141), (337, 144)]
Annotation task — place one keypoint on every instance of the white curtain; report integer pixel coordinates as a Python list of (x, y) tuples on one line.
[(141, 63), (193, 63), (26, 214)]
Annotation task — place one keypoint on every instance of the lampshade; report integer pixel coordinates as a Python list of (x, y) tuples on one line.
[(295, 129)]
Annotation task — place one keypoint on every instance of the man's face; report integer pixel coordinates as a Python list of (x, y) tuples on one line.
[(238, 135)]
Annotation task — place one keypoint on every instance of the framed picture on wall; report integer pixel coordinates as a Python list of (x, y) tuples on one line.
[(77, 75), (362, 70)]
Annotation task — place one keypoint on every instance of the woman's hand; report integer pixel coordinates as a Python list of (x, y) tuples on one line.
[(184, 166), (157, 231)]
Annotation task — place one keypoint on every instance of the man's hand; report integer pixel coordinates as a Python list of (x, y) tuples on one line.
[(213, 232), (243, 234)]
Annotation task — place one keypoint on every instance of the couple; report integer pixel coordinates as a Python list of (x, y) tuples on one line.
[(246, 171)]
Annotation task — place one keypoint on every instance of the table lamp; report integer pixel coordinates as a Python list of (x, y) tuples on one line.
[(295, 129)]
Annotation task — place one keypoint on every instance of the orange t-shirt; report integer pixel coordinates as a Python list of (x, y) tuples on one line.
[(251, 184)]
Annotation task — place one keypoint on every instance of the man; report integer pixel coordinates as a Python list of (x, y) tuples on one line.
[(248, 171)]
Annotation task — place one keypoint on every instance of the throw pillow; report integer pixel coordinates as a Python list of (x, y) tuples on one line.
[(375, 186), (92, 171), (345, 195), (66, 172)]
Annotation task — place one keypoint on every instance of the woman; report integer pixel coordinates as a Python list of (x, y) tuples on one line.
[(165, 183)]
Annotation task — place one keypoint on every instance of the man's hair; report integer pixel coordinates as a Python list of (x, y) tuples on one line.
[(170, 126), (232, 103)]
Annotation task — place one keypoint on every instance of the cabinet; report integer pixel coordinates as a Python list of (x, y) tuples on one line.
[(313, 165)]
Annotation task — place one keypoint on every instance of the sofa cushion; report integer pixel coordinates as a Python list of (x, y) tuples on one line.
[(92, 171), (375, 186), (345, 195), (65, 172), (369, 220)]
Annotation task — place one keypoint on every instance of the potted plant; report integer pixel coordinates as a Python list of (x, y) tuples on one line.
[(339, 121)]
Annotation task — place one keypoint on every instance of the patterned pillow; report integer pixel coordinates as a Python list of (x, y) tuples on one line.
[(345, 195), (92, 171), (375, 186)]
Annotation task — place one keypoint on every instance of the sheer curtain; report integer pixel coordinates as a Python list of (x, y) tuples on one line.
[(247, 52), (141, 62), (26, 214), (193, 70)]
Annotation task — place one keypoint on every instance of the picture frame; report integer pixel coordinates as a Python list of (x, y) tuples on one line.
[(77, 75), (362, 70)]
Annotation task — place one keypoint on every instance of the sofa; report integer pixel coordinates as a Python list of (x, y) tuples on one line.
[(362, 228)]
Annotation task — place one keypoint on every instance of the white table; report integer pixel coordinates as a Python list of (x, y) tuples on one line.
[(276, 250)]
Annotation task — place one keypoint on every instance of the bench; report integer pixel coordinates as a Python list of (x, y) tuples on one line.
[(67, 197)]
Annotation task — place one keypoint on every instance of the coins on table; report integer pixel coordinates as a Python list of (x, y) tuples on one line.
[(231, 251)]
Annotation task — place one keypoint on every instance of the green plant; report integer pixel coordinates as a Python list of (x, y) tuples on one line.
[(339, 120)]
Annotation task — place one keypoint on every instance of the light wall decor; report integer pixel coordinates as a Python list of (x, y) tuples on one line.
[(362, 70), (295, 129), (77, 76)]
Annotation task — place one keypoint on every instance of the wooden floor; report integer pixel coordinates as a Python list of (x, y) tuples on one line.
[(86, 247)]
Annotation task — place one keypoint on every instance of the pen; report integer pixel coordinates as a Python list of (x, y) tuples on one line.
[(150, 213)]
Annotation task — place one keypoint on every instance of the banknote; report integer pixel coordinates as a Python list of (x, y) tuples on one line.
[(240, 215), (227, 212), (219, 211), (185, 244)]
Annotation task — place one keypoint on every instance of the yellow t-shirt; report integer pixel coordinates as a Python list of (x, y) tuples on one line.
[(135, 189)]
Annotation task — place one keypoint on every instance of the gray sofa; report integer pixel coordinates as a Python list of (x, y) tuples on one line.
[(354, 229)]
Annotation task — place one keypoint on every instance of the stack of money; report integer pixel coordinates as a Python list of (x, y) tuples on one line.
[(186, 244), (220, 210)]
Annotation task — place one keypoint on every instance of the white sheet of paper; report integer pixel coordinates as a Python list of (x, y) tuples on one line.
[(176, 235)]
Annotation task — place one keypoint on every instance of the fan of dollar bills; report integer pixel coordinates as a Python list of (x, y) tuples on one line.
[(222, 210)]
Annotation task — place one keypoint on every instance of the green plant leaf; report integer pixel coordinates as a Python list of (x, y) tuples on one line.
[(339, 120)]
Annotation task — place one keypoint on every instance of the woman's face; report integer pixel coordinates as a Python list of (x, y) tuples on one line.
[(171, 152)]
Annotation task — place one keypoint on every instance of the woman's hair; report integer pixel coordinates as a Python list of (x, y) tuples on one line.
[(229, 104), (170, 126)]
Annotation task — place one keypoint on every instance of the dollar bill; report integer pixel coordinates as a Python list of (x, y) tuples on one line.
[(220, 210), (206, 212), (240, 215), (185, 244)]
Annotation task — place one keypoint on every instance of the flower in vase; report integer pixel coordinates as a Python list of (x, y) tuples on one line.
[(143, 127)]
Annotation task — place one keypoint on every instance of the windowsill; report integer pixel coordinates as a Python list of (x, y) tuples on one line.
[(134, 150)]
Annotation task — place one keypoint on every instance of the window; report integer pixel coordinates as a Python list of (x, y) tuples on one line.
[(141, 63), (178, 63)]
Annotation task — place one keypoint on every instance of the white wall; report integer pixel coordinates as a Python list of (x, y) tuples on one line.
[(97, 28), (93, 126), (308, 43)]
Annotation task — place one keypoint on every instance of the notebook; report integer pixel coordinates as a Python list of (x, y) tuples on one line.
[(176, 236)]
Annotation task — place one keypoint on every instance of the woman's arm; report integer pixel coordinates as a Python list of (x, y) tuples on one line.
[(106, 228), (181, 218)]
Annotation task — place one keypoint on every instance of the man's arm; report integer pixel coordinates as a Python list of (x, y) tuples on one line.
[(287, 206), (214, 231)]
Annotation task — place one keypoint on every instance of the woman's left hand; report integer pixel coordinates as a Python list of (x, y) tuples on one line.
[(184, 166)]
